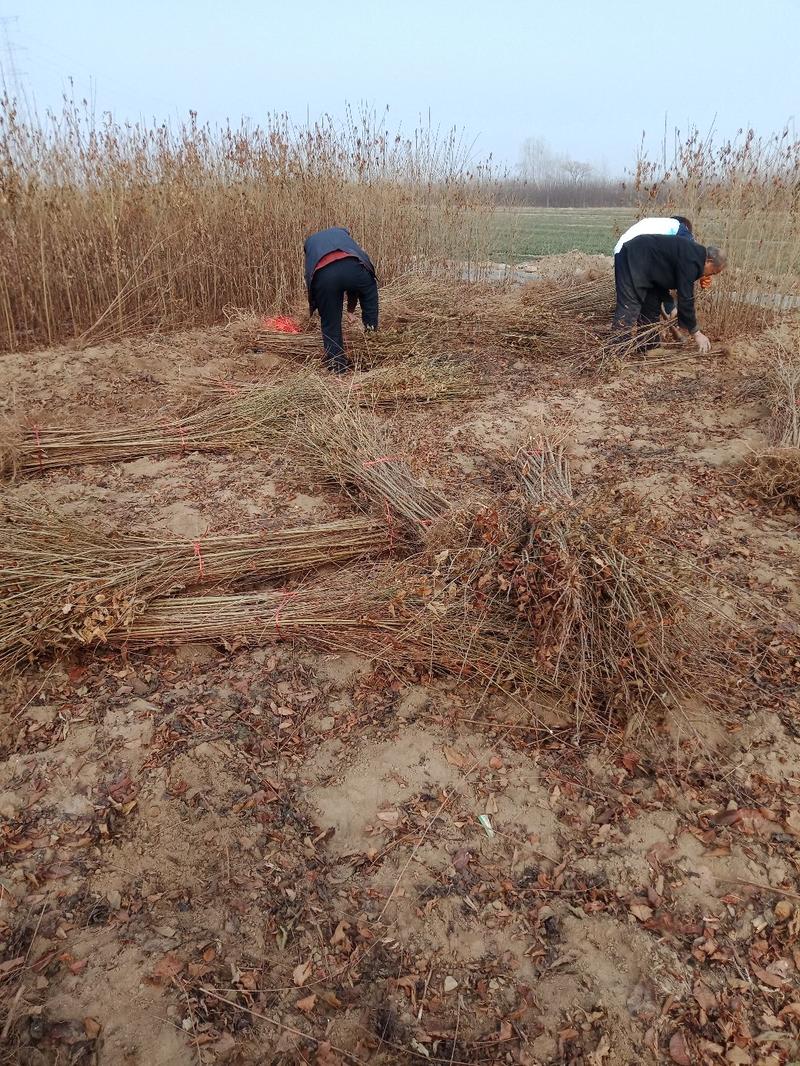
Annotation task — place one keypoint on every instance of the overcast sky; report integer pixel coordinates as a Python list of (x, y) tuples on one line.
[(587, 76)]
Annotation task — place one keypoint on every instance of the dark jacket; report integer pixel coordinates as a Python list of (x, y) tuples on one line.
[(660, 262), (335, 239)]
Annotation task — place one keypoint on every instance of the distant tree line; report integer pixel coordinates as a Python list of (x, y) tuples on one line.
[(545, 178)]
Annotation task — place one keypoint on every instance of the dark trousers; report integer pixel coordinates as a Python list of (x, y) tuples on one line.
[(635, 306), (328, 288)]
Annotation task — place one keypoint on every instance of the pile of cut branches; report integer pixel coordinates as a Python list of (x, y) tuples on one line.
[(346, 610), (348, 445), (64, 583), (593, 297), (417, 381), (428, 316), (237, 418), (575, 596), (544, 592)]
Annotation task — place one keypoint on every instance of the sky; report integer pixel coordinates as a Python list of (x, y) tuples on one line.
[(588, 77)]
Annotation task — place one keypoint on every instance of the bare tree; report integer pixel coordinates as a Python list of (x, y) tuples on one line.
[(538, 162), (546, 178), (576, 171)]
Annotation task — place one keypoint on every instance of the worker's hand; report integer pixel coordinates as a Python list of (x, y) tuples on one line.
[(702, 342), (705, 281)]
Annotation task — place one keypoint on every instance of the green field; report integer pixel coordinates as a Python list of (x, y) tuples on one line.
[(521, 233)]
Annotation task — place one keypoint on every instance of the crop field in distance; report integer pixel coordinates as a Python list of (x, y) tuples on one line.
[(522, 233)]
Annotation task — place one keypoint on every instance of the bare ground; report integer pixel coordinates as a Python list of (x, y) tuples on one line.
[(263, 854)]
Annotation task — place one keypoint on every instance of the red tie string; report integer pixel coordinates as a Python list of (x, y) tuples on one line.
[(36, 427), (201, 570), (383, 459)]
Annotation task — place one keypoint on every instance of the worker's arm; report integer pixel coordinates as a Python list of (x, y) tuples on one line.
[(369, 304), (687, 319)]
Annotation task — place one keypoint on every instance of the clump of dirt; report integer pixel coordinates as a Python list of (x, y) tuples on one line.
[(570, 266)]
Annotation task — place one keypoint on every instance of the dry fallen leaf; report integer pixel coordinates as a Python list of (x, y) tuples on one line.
[(738, 1056), (711, 1048), (602, 1050), (169, 966), (91, 1027), (704, 996), (390, 817), (325, 1055), (224, 1046), (462, 859), (767, 978), (301, 973), (455, 758), (330, 999), (678, 1051), (641, 911), (340, 933), (791, 1010), (306, 1005)]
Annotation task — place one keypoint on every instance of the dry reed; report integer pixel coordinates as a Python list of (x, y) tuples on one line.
[(783, 380), (774, 474), (108, 228), (416, 380), (741, 195), (64, 583)]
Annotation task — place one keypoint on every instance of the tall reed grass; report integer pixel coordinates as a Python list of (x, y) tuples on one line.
[(742, 195), (108, 228)]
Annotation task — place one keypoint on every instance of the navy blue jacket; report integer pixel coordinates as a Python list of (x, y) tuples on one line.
[(659, 262), (335, 239)]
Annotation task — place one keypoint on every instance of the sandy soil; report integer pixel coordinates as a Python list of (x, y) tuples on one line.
[(271, 855)]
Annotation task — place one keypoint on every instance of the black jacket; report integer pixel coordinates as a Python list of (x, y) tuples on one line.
[(335, 239), (660, 262)]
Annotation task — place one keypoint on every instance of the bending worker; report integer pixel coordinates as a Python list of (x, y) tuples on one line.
[(335, 265), (672, 226), (650, 265)]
